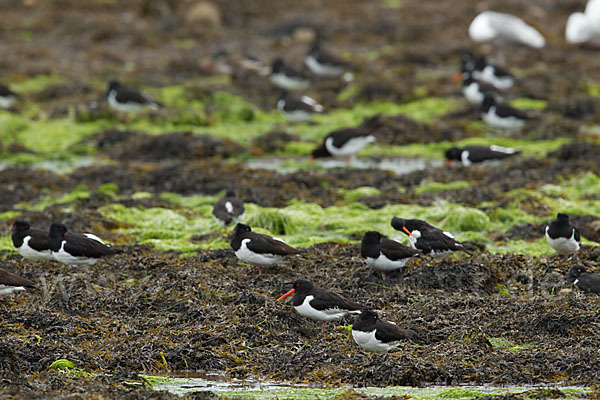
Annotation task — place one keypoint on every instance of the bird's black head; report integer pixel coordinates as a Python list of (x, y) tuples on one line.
[(453, 154), (277, 65), (368, 316), (320, 152), (314, 48), (230, 192), (57, 230), (488, 101), (301, 285), (20, 226), (241, 229), (575, 272), (113, 85), (562, 217), (372, 237)]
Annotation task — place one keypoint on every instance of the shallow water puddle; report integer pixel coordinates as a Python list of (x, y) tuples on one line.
[(398, 165), (255, 388)]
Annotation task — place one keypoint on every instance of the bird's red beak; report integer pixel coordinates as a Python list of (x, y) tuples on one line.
[(407, 231), (448, 163), (457, 76), (312, 158), (287, 294)]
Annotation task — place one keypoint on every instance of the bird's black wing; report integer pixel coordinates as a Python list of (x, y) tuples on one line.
[(505, 111), (388, 332), (131, 95), (396, 251), (5, 91), (589, 283), (39, 240), (436, 240), (10, 279), (342, 136), (483, 153), (265, 244), (325, 300), (82, 246)]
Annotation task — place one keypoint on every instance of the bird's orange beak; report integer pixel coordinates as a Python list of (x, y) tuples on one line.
[(287, 294), (448, 163), (312, 158), (407, 231), (457, 76)]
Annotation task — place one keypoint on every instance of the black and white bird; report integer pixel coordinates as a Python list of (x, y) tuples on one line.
[(427, 238), (344, 142), (324, 63), (229, 209), (76, 249), (501, 115), (258, 249), (287, 77), (31, 243), (585, 27), (501, 28), (584, 280), (484, 71), (374, 334), (474, 90), (10, 283), (297, 108), (383, 254), (562, 236), (129, 99), (320, 304), (8, 98), (475, 154)]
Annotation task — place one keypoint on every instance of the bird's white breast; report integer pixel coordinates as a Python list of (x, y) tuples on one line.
[(330, 314), (247, 255)]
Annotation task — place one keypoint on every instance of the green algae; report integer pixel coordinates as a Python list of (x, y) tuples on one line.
[(438, 187), (435, 150), (69, 368), (36, 83), (359, 193), (503, 343), (80, 192), (529, 104)]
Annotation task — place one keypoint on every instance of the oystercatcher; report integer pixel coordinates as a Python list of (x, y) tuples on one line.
[(128, 99), (585, 27), (31, 243), (484, 71), (427, 238), (10, 283), (474, 91), (562, 236), (383, 254), (500, 115), (344, 142), (475, 154), (258, 249), (320, 304), (76, 249), (289, 78), (491, 26), (323, 63), (374, 334), (297, 108), (7, 97), (229, 209), (584, 280)]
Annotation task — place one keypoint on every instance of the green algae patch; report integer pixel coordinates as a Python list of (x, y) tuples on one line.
[(529, 104), (466, 219), (460, 393), (359, 193), (439, 187), (502, 343), (80, 192), (435, 150), (36, 83), (49, 139), (69, 368)]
